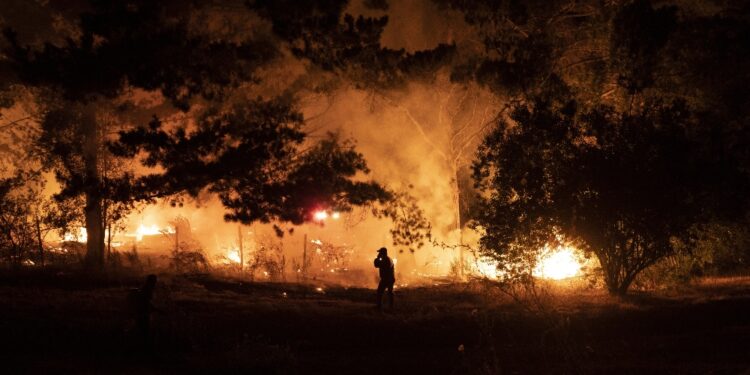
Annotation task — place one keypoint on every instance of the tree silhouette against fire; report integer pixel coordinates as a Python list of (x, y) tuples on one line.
[(623, 125)]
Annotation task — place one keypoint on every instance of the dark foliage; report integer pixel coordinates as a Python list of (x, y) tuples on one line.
[(250, 156), (621, 184), (146, 44), (639, 33), (320, 31), (248, 153), (411, 229), (629, 127), (16, 231)]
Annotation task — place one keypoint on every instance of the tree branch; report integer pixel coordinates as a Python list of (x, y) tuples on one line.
[(417, 125), (14, 122)]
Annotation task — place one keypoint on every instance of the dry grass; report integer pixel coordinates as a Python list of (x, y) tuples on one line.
[(74, 324)]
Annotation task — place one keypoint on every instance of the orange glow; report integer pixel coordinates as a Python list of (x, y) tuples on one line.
[(81, 236), (554, 264), (234, 256), (150, 231), (320, 215), (559, 264)]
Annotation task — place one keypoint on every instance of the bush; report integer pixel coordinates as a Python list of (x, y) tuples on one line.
[(715, 249)]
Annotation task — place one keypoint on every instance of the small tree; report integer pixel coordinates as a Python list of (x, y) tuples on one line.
[(16, 228), (187, 255), (623, 185)]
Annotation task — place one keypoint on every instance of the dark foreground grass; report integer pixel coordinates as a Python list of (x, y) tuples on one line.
[(67, 323)]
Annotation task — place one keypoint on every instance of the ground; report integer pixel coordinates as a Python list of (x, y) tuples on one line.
[(62, 322)]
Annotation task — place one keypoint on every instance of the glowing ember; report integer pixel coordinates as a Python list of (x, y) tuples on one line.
[(234, 256), (320, 215), (150, 231), (555, 264), (487, 268), (558, 265), (336, 215), (145, 231), (81, 236)]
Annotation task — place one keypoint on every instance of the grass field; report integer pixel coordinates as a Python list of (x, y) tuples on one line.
[(65, 323)]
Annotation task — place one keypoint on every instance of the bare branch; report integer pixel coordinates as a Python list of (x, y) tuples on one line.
[(416, 124), (14, 123)]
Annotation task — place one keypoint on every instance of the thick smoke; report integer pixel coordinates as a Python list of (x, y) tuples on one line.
[(399, 154)]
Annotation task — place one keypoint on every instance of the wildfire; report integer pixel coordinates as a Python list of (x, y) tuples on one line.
[(146, 231), (81, 236), (234, 256), (559, 264), (320, 215), (487, 268), (151, 230), (555, 264)]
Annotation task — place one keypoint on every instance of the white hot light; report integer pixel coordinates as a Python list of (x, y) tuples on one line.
[(234, 256), (559, 264), (81, 236), (487, 268), (320, 215), (151, 230), (146, 231)]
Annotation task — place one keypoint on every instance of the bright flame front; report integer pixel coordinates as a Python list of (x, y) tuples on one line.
[(151, 230), (559, 264), (320, 215), (81, 236), (234, 256)]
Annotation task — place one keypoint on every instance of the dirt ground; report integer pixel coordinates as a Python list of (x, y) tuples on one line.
[(66, 323)]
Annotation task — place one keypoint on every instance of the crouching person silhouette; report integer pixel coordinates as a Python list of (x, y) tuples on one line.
[(387, 277)]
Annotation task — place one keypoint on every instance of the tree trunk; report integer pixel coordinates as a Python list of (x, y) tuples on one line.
[(94, 230), (93, 209), (39, 242), (304, 257), (241, 250), (108, 232), (457, 206), (617, 285)]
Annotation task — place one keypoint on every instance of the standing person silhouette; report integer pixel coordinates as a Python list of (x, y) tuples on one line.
[(141, 308), (387, 276)]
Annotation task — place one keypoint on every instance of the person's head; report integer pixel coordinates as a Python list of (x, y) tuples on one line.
[(382, 252)]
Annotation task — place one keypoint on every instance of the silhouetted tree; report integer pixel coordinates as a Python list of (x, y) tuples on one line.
[(120, 45), (591, 83), (622, 185), (16, 220), (157, 46)]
